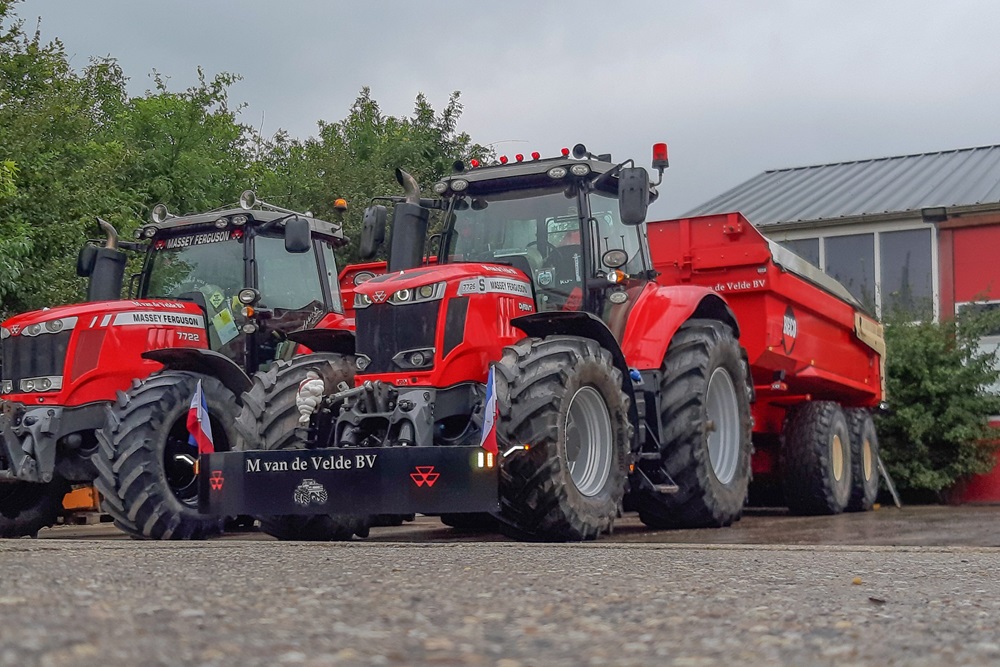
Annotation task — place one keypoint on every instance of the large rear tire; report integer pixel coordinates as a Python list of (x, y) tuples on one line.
[(706, 444), (864, 460), (562, 398), (269, 419), (815, 459), (27, 507), (146, 467)]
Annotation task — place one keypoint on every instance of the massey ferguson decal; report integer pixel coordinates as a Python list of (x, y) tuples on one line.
[(216, 480), (425, 475), (789, 330), (147, 317), (491, 285), (196, 239)]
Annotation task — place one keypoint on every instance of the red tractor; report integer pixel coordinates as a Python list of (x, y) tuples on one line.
[(100, 390), (552, 367)]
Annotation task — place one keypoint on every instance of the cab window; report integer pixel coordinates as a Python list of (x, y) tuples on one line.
[(287, 281)]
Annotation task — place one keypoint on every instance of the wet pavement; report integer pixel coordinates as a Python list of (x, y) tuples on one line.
[(928, 526)]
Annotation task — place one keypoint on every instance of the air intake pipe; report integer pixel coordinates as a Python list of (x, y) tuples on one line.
[(107, 272), (409, 227)]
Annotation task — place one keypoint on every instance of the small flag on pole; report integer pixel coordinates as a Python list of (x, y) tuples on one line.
[(490, 415), (198, 424)]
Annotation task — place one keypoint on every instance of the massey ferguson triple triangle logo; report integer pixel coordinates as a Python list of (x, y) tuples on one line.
[(216, 480), (379, 296), (425, 475)]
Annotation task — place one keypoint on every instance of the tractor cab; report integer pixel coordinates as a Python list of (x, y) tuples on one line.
[(557, 220), (257, 273)]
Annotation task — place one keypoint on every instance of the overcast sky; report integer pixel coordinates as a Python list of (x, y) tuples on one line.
[(734, 87)]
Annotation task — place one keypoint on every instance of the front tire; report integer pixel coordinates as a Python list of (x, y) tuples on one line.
[(705, 445), (27, 507), (562, 398), (146, 466), (269, 420), (815, 459), (864, 460)]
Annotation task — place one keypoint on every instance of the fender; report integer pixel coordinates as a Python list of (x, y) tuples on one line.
[(660, 311), (584, 325), (205, 362), (341, 341)]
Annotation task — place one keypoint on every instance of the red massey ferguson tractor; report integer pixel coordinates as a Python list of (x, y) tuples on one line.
[(100, 390), (559, 362)]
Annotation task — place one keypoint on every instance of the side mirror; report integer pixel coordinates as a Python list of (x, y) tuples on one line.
[(633, 195), (372, 231), (298, 239), (85, 260)]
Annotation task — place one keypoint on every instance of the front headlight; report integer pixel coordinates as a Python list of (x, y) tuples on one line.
[(7, 387), (4, 333), (361, 300), (50, 327), (44, 383)]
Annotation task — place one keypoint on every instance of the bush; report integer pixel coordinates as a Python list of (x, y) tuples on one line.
[(938, 381)]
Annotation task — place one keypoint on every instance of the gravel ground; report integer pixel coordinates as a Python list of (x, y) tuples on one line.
[(499, 604)]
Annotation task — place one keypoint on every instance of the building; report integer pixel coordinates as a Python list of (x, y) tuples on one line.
[(919, 233)]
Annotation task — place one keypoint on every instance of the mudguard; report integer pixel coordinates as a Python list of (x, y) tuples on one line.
[(204, 361), (657, 315)]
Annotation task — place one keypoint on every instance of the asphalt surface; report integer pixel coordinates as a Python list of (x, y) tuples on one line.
[(825, 590)]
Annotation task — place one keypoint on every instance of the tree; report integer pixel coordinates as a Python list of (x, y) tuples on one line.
[(356, 158), (938, 383)]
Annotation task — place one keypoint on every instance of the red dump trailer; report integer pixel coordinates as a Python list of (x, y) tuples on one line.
[(809, 342)]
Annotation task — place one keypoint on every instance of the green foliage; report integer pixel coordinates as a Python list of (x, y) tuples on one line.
[(938, 381), (356, 159)]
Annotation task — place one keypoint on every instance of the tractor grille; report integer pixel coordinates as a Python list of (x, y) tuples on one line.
[(33, 356), (385, 330)]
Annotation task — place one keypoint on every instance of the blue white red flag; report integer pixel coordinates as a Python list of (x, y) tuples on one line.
[(198, 424), (490, 415)]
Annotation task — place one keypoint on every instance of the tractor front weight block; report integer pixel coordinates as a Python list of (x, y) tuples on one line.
[(350, 480)]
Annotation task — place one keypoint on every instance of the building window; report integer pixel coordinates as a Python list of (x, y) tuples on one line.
[(851, 260), (906, 284), (807, 249)]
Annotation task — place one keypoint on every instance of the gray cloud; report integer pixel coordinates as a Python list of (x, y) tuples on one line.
[(734, 87)]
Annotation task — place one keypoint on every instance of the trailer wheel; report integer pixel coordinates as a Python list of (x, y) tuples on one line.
[(705, 445), (562, 398), (147, 475), (815, 460), (27, 507), (864, 460), (269, 419)]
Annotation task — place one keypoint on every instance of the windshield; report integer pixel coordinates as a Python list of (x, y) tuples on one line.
[(286, 281), (204, 267), (538, 233)]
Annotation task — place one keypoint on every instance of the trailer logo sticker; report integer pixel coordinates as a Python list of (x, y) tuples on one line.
[(425, 475), (310, 492), (789, 330), (216, 480)]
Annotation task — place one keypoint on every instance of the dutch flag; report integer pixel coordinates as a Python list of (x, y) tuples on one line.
[(198, 423), (490, 416)]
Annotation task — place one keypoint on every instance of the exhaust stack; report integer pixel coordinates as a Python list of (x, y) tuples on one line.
[(409, 227)]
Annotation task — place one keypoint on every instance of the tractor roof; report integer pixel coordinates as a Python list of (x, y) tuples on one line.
[(532, 174), (254, 217)]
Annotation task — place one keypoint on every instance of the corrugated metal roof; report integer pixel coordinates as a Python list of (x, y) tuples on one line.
[(964, 177)]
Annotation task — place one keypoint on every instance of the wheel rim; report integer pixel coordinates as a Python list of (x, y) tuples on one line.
[(589, 445), (837, 457), (867, 458), (723, 425), (179, 464)]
